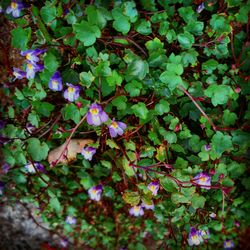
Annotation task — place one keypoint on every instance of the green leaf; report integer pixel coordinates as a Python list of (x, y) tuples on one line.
[(143, 27), (168, 184), (20, 38), (48, 13), (86, 78), (122, 24), (71, 112), (55, 204), (129, 170), (171, 79), (221, 143), (50, 62), (186, 40), (137, 69), (98, 16), (37, 150), (120, 102), (115, 79), (140, 110), (179, 198), (198, 201), (133, 88), (188, 14), (86, 33), (229, 118), (219, 94), (43, 108), (132, 198), (112, 144), (162, 107)]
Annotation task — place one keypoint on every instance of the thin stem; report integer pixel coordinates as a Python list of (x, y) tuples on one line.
[(200, 109), (68, 140)]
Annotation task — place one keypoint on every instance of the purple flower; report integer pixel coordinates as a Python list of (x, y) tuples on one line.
[(228, 244), (200, 8), (194, 237), (96, 115), (205, 234), (207, 147), (1, 187), (72, 92), (88, 153), (5, 168), (64, 243), (95, 193), (203, 179), (32, 55), (55, 82), (154, 187), (1, 9), (146, 206), (15, 8), (31, 167), (116, 128), (70, 220), (136, 211), (31, 69), (212, 215), (30, 128), (19, 74)]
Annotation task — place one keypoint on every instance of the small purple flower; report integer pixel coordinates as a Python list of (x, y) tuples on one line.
[(15, 8), (212, 215), (207, 147), (116, 128), (146, 206), (32, 55), (194, 237), (31, 69), (205, 234), (19, 74), (1, 9), (200, 8), (95, 193), (203, 179), (88, 153), (1, 187), (5, 168), (96, 115), (30, 128), (154, 187), (136, 211), (228, 244), (72, 92), (31, 167), (55, 82), (70, 220), (64, 243)]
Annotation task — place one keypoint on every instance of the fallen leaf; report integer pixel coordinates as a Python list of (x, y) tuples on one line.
[(74, 147)]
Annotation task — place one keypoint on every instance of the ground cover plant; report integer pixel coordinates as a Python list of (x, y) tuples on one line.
[(126, 122)]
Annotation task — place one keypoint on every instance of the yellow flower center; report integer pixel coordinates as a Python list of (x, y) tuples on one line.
[(228, 244), (136, 208), (194, 237), (94, 111), (94, 191), (28, 56), (54, 83), (114, 125), (13, 5), (71, 90), (30, 66), (152, 188), (203, 179)]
